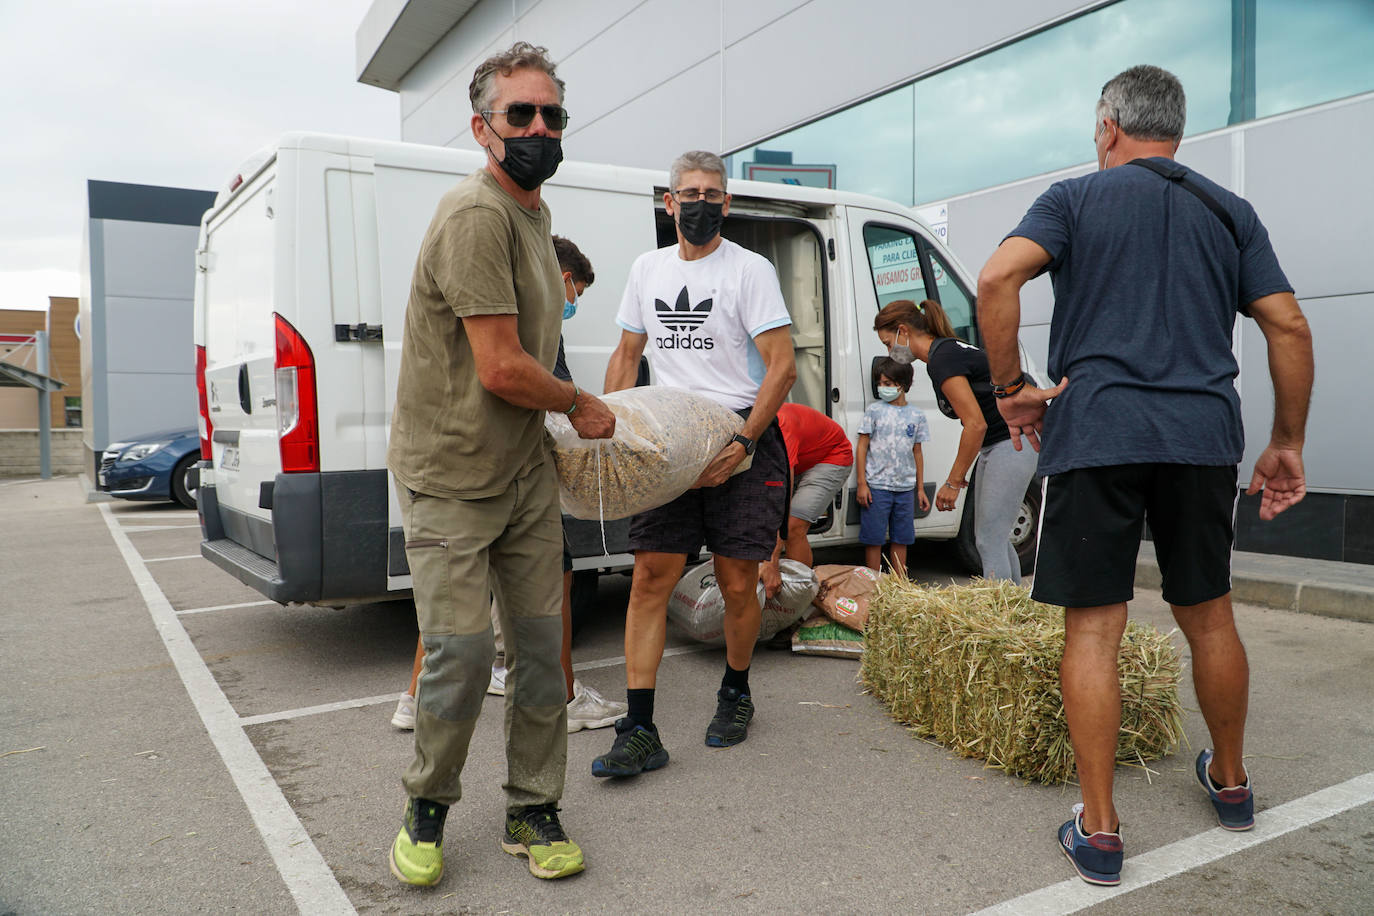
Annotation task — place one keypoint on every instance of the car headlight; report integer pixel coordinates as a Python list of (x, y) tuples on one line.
[(142, 450)]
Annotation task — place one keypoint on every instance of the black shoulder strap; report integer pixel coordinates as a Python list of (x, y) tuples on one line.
[(1179, 175)]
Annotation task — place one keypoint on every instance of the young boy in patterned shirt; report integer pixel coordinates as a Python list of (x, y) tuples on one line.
[(890, 467)]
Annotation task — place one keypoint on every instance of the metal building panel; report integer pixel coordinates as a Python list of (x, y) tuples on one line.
[(154, 260), (744, 17), (1307, 176), (149, 335), (623, 138), (1336, 453)]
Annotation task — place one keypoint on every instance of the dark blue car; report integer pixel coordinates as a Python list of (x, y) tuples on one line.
[(155, 466)]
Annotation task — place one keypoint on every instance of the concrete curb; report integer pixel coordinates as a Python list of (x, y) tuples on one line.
[(1324, 587)]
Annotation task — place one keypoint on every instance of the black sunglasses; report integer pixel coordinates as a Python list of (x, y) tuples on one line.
[(520, 114)]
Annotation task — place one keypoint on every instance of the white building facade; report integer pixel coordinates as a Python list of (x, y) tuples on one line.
[(973, 109)]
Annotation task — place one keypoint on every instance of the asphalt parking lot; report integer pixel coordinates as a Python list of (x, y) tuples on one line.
[(170, 743)]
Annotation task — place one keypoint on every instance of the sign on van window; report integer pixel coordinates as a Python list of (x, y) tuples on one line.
[(895, 263)]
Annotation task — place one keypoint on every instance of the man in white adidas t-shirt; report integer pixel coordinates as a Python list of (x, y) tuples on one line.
[(712, 319)]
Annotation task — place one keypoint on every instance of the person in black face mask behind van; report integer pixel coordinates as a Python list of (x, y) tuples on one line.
[(712, 319)]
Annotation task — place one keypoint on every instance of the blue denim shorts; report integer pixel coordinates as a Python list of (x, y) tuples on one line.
[(891, 518)]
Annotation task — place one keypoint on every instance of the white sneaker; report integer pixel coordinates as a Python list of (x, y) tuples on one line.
[(497, 686), (404, 716), (589, 709)]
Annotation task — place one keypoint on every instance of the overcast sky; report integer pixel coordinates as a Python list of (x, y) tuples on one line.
[(160, 92)]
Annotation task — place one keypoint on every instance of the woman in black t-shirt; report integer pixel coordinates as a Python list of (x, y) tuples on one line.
[(963, 390)]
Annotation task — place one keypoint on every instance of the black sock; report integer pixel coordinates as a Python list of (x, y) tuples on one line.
[(641, 705), (736, 678)]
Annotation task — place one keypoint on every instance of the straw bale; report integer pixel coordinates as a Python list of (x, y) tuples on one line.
[(976, 668)]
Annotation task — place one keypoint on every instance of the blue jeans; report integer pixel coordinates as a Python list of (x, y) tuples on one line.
[(891, 517)]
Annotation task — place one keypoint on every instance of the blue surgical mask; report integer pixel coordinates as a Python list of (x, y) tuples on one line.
[(889, 393), (569, 308)]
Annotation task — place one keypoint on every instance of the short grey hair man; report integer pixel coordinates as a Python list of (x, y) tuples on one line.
[(697, 160), (520, 55), (1146, 102)]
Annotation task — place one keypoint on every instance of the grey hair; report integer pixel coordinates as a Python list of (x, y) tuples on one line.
[(1146, 102), (482, 89), (697, 160)]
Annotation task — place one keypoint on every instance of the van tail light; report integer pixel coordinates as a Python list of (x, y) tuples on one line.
[(207, 429), (298, 420)]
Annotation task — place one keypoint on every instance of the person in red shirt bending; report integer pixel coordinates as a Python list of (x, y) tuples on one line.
[(821, 457)]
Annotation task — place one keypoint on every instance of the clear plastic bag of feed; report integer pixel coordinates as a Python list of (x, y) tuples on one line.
[(697, 606), (664, 438)]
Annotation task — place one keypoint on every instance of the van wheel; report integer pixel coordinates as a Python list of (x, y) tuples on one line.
[(186, 481), (1025, 532), (583, 599)]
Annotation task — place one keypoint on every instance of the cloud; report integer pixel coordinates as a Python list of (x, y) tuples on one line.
[(160, 92)]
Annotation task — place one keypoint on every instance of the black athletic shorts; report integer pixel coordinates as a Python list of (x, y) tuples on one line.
[(1093, 518), (741, 518)]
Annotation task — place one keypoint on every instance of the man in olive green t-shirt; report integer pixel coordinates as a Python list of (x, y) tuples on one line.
[(474, 476)]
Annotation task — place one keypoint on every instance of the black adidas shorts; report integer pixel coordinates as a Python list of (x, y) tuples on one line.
[(741, 518), (1093, 518)]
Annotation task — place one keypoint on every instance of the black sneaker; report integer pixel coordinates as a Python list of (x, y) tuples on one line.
[(534, 832), (730, 725), (417, 855), (635, 750)]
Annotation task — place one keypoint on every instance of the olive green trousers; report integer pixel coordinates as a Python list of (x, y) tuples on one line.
[(461, 552)]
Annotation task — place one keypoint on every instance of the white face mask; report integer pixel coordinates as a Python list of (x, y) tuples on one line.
[(901, 352), (887, 393)]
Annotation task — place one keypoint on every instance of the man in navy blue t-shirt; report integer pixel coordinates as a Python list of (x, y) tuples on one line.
[(1150, 265)]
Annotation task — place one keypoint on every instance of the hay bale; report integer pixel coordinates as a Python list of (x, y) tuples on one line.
[(976, 667)]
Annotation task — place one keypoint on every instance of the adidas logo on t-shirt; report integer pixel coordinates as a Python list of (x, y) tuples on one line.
[(682, 316)]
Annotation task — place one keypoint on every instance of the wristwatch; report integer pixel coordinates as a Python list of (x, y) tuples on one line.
[(746, 442)]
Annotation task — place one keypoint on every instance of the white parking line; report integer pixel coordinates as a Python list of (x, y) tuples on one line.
[(306, 875), (184, 556), (392, 697), (620, 659), (1185, 855), (127, 527), (316, 710), (222, 607)]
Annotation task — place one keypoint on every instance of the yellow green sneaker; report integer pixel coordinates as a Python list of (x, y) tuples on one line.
[(535, 832), (417, 856)]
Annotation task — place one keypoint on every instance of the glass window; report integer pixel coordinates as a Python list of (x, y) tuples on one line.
[(1307, 52), (951, 295), (905, 266), (869, 145), (1027, 108), (896, 264)]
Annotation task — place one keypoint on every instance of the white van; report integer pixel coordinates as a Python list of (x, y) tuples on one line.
[(304, 268)]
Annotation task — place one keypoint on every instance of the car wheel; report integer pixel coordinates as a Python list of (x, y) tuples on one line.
[(1025, 532), (184, 489)]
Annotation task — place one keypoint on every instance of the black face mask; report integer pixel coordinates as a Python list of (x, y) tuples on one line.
[(700, 221), (530, 161)]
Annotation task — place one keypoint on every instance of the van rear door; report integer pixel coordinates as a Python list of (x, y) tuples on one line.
[(238, 292)]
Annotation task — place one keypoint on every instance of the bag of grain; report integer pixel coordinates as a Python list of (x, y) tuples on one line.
[(845, 593), (698, 608), (664, 438)]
